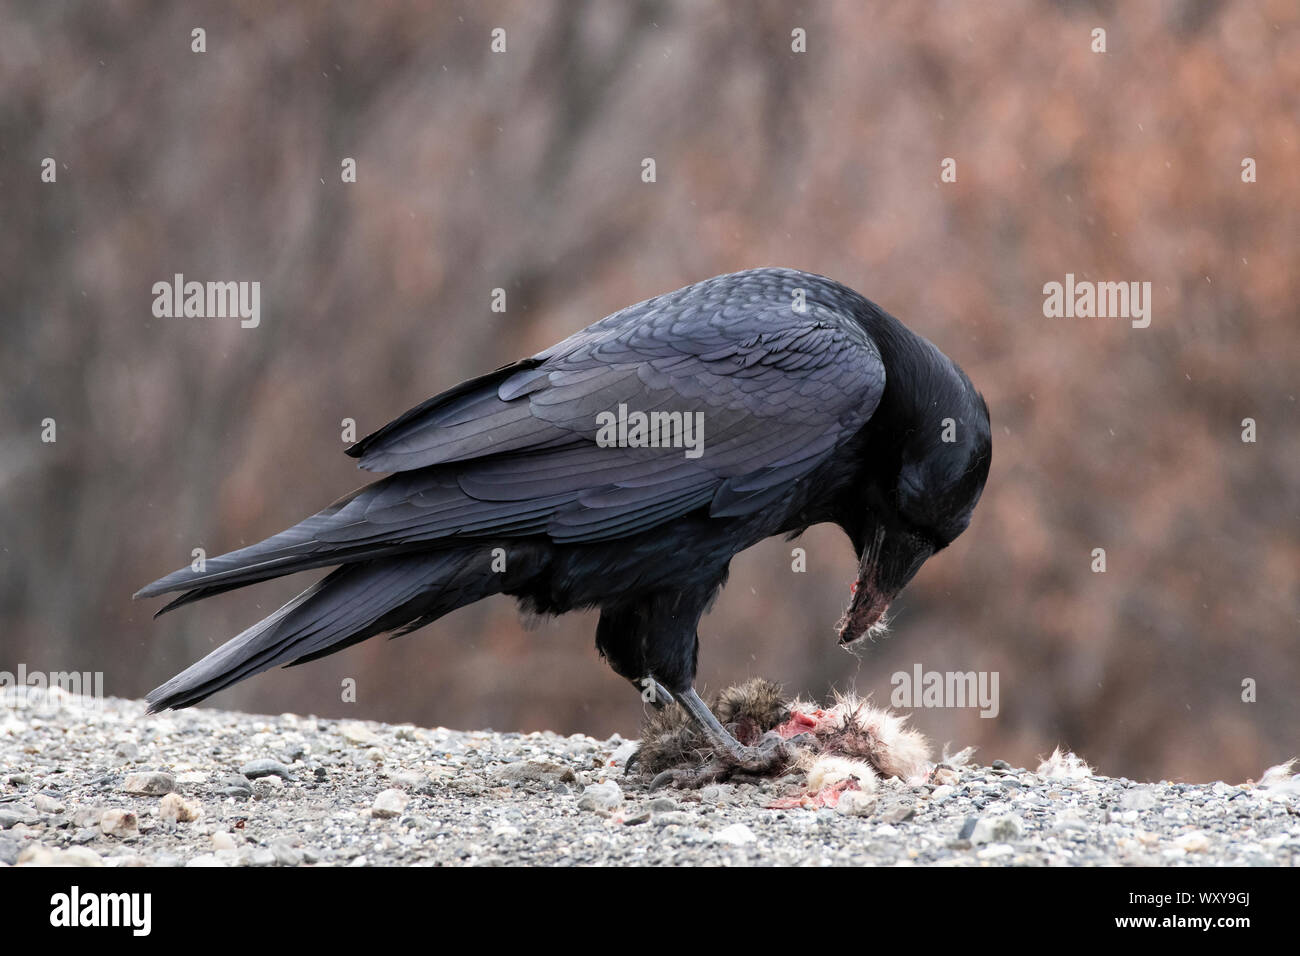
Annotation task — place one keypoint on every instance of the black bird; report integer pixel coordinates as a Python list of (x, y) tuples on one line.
[(816, 405)]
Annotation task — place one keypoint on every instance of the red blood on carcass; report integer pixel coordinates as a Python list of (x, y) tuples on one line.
[(800, 723)]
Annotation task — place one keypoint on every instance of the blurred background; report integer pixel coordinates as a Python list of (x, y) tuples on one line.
[(521, 170)]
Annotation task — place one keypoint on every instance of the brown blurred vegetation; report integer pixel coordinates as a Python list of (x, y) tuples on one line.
[(522, 171)]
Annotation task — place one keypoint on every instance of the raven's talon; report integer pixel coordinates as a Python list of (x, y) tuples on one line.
[(683, 779), (806, 739), (772, 755), (715, 771)]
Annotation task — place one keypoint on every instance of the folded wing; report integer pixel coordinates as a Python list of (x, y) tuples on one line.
[(515, 452)]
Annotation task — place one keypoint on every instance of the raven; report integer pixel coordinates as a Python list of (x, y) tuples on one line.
[(812, 405)]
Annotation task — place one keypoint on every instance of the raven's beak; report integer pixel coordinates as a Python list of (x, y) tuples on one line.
[(890, 559)]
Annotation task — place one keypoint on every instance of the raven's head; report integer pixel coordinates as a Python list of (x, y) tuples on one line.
[(934, 447)]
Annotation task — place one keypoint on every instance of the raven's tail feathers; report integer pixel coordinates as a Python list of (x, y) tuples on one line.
[(300, 548), (350, 604)]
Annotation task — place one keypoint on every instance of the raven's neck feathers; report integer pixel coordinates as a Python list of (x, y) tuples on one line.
[(922, 385)]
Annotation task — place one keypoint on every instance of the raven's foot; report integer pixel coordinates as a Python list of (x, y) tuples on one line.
[(772, 755), (658, 697)]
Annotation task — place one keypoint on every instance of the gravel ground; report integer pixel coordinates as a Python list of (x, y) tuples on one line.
[(106, 785)]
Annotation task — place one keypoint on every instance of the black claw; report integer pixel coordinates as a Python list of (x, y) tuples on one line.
[(772, 755), (713, 772), (666, 778)]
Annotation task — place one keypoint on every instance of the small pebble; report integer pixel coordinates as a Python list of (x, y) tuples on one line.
[(118, 823), (265, 768), (153, 783), (1001, 829), (600, 796), (390, 803), (736, 835), (176, 808)]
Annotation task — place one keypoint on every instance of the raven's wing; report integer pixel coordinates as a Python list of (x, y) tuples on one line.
[(774, 360), (750, 350)]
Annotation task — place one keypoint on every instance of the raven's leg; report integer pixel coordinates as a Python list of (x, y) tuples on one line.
[(655, 638), (652, 692), (619, 641), (772, 755)]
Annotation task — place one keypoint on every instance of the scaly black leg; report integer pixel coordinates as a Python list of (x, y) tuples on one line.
[(655, 693), (658, 697), (772, 755)]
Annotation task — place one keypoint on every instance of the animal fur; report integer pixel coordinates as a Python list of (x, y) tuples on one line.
[(1280, 781), (848, 741), (852, 728), (670, 741), (1064, 766)]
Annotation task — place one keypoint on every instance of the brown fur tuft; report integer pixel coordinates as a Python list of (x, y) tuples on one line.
[(669, 740), (751, 709), (851, 729)]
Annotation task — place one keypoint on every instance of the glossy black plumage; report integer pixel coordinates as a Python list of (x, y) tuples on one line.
[(809, 415)]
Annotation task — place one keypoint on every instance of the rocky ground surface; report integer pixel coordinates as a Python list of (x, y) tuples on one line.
[(106, 785)]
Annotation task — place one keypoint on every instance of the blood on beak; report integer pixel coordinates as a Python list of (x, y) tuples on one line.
[(866, 611), (889, 561), (868, 605)]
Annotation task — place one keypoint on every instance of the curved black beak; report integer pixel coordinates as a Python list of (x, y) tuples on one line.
[(890, 558)]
